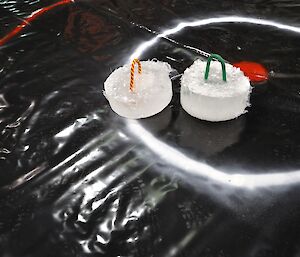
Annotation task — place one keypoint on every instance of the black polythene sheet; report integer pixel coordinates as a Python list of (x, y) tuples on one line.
[(78, 180)]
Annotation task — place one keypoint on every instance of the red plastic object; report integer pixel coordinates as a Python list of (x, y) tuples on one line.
[(31, 18), (254, 71)]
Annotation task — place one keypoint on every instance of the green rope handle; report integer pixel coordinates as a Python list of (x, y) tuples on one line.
[(221, 60)]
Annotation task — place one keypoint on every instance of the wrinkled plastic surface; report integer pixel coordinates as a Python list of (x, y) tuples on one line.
[(78, 180)]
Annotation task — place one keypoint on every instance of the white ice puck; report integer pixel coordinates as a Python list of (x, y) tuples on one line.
[(213, 99), (151, 94)]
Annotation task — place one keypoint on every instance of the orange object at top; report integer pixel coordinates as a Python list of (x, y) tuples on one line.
[(33, 16), (254, 71)]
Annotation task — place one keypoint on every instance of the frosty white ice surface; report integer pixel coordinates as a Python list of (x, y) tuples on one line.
[(152, 90), (214, 99)]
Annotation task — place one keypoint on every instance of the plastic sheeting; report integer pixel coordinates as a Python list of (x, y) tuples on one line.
[(78, 180)]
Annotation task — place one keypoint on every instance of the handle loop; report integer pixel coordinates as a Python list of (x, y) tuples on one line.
[(221, 60), (135, 61)]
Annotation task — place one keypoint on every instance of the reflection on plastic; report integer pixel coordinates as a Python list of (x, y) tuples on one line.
[(187, 164), (229, 19)]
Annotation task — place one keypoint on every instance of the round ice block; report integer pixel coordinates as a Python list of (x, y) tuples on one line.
[(151, 94), (214, 99)]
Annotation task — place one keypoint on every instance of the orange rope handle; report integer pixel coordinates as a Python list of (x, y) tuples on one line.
[(135, 61)]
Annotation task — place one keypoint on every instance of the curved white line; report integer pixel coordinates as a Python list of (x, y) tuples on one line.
[(171, 155), (187, 164), (229, 19)]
